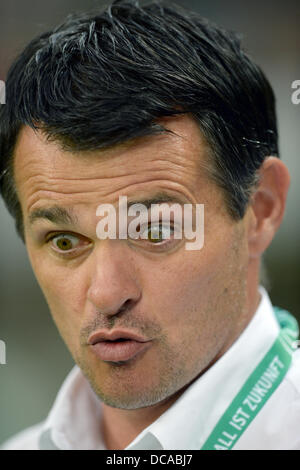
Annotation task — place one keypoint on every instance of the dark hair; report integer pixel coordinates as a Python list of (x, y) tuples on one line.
[(102, 78)]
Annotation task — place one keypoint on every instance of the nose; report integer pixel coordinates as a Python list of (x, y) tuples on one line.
[(113, 283)]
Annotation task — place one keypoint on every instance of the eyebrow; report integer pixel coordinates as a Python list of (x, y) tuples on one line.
[(157, 198), (55, 214), (59, 215)]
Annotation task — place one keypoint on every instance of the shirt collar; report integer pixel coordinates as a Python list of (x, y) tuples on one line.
[(74, 421)]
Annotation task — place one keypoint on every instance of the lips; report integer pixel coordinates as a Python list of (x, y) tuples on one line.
[(103, 335), (118, 345)]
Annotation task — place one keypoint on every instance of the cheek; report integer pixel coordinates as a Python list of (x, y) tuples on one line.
[(62, 290), (185, 281), (192, 294), (179, 295)]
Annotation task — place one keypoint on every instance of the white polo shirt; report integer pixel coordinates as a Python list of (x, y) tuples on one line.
[(74, 420)]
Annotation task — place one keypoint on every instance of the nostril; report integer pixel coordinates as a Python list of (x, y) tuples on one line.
[(125, 306)]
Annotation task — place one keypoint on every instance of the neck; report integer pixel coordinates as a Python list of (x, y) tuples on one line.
[(130, 423)]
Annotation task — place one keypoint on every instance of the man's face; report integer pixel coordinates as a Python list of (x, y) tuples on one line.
[(188, 305)]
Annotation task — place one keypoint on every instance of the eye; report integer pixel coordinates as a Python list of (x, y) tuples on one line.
[(64, 242), (157, 233)]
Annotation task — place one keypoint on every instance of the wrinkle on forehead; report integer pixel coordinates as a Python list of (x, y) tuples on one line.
[(42, 169), (106, 194)]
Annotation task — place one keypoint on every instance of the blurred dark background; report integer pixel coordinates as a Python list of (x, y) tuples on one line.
[(37, 359)]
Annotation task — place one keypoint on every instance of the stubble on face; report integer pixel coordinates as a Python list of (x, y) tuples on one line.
[(211, 328)]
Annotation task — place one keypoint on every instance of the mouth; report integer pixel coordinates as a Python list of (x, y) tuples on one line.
[(118, 346), (118, 350)]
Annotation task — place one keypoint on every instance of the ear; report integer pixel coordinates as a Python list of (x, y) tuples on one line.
[(267, 205)]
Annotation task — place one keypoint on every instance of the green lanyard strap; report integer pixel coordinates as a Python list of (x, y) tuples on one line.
[(258, 388)]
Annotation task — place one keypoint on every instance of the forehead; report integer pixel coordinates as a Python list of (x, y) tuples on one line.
[(43, 169)]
